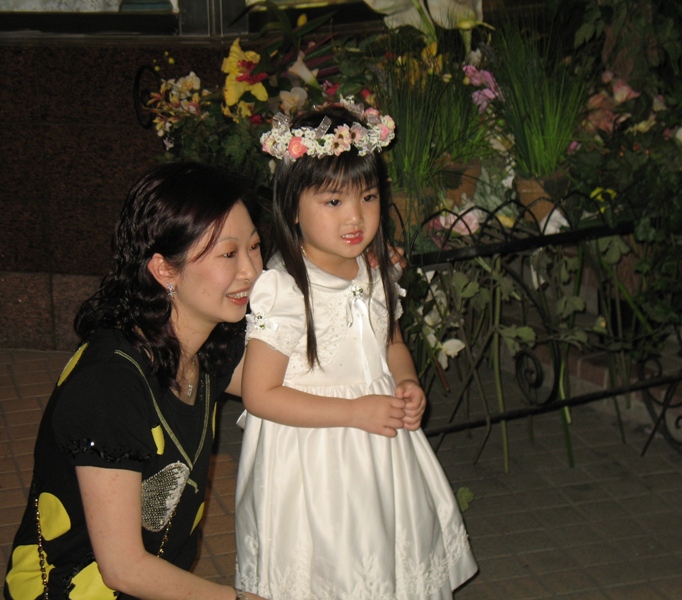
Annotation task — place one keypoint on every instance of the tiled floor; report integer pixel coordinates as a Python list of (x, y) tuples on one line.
[(608, 528)]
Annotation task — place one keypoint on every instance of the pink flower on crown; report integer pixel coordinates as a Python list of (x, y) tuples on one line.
[(267, 143), (297, 148), (357, 132), (342, 140)]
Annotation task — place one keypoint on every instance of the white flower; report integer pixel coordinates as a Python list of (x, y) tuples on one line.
[(678, 136), (301, 70), (292, 102), (448, 348), (452, 347)]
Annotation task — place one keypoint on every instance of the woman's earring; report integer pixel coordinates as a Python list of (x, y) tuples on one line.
[(171, 290)]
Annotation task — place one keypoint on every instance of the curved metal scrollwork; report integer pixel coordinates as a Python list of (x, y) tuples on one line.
[(146, 81), (663, 405), (530, 376)]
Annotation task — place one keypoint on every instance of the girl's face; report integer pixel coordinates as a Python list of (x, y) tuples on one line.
[(337, 225), (215, 288)]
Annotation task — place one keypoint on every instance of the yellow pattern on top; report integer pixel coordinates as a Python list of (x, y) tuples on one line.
[(54, 520), (73, 361), (24, 579), (89, 585), (200, 514), (159, 439)]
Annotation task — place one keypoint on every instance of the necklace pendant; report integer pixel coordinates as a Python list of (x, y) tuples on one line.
[(190, 390)]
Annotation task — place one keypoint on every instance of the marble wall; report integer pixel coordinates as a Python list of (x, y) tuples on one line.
[(71, 147)]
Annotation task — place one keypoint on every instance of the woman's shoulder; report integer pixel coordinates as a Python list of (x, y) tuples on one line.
[(105, 357)]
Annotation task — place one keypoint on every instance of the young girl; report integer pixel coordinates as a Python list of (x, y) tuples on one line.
[(339, 494), (123, 452)]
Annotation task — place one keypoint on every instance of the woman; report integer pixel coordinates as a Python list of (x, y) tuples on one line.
[(123, 451)]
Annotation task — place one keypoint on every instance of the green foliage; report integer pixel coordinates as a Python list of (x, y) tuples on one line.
[(464, 498), (540, 101)]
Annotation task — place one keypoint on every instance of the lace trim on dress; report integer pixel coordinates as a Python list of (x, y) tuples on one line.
[(414, 579)]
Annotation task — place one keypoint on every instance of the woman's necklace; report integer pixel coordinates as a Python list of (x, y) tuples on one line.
[(190, 378)]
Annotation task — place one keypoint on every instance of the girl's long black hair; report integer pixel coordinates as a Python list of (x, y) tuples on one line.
[(292, 178), (167, 211)]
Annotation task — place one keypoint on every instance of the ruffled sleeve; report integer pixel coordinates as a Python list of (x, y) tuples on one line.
[(277, 312), (102, 418)]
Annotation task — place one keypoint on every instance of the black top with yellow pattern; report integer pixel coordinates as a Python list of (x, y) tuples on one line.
[(108, 411)]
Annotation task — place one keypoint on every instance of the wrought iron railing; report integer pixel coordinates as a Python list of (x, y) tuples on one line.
[(523, 256)]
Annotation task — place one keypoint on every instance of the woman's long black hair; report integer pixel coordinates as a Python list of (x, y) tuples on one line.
[(167, 211), (292, 178)]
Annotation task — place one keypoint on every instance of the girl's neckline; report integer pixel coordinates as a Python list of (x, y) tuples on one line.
[(358, 272)]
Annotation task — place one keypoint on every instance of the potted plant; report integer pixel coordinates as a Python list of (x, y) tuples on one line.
[(408, 83), (540, 103)]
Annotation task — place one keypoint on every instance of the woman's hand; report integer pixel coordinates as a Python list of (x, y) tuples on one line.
[(379, 414), (410, 391)]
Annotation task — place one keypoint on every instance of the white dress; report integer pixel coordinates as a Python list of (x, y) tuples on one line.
[(338, 513)]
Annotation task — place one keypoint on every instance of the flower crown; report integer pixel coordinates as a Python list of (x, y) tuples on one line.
[(284, 143)]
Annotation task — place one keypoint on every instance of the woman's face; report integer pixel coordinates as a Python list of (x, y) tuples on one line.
[(215, 288)]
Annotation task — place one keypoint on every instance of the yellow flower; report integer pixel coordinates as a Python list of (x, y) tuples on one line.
[(431, 58), (239, 66), (243, 110), (603, 195)]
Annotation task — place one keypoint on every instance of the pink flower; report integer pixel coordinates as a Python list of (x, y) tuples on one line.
[(482, 98), (367, 96), (473, 75), (600, 113), (342, 139), (622, 92), (297, 148), (268, 143), (464, 223), (480, 78), (467, 223), (489, 81), (357, 132), (384, 132), (607, 76), (330, 88)]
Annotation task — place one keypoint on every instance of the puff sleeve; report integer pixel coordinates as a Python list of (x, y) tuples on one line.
[(277, 312)]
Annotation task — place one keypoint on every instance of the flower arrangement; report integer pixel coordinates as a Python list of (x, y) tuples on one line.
[(224, 125)]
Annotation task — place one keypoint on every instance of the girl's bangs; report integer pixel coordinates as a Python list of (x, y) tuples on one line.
[(345, 170)]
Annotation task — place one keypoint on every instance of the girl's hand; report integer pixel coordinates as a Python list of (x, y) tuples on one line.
[(378, 414), (413, 394)]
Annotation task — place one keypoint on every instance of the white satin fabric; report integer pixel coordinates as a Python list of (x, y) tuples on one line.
[(339, 513)]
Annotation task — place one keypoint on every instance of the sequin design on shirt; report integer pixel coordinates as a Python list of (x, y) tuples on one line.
[(161, 494)]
